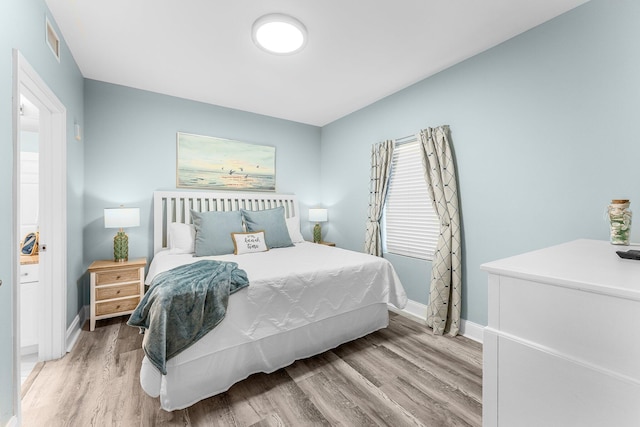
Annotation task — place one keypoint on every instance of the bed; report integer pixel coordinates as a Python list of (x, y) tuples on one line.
[(301, 300)]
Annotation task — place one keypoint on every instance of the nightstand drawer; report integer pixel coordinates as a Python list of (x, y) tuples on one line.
[(117, 276), (117, 306), (110, 292)]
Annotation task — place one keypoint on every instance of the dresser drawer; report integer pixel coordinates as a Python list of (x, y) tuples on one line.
[(117, 276), (597, 329), (117, 306), (119, 291), (29, 273)]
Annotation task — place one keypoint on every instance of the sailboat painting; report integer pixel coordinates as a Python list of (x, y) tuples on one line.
[(224, 164)]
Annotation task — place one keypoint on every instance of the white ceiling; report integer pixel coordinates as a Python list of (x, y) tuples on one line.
[(358, 52)]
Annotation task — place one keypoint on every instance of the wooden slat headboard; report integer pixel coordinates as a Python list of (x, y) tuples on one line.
[(176, 206)]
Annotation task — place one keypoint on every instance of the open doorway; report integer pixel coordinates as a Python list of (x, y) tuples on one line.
[(50, 301), (28, 217)]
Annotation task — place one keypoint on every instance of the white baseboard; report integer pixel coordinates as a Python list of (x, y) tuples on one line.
[(73, 332), (418, 311), (13, 422), (29, 349), (471, 330)]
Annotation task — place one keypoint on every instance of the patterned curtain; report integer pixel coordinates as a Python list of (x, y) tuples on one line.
[(445, 294), (381, 156)]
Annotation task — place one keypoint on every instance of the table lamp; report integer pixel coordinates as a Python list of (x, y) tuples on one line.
[(121, 218), (317, 215)]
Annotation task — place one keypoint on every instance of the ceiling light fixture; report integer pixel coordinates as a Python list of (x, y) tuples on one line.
[(279, 34)]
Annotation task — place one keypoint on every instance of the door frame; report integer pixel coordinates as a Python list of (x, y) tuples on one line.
[(52, 303)]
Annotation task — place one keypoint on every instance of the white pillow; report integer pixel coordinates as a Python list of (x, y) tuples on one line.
[(245, 243), (182, 238), (293, 225)]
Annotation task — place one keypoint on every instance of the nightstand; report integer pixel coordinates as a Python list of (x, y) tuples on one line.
[(328, 243), (116, 288)]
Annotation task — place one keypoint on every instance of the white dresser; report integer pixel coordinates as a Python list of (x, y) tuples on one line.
[(562, 347), (29, 311)]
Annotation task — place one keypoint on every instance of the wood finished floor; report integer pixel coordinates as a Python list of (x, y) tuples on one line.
[(399, 376)]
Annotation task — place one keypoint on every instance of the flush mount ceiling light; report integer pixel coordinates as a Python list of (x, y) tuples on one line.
[(279, 34)]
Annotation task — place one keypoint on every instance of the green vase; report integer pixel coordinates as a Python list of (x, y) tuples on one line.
[(317, 233), (121, 247)]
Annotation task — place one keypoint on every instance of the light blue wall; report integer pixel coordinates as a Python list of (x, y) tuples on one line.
[(131, 152), (22, 26), (544, 132)]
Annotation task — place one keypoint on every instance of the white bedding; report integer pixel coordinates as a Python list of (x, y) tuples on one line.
[(301, 300)]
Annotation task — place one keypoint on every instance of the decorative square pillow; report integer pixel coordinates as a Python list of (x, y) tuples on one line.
[(213, 231), (182, 238), (272, 222), (245, 243), (293, 225)]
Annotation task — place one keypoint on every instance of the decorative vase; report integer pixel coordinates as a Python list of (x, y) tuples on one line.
[(317, 233), (121, 247), (619, 221)]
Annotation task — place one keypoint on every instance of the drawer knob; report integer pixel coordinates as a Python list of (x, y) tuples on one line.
[(118, 292), (117, 277)]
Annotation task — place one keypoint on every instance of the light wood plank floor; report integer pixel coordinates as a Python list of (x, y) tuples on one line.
[(399, 376)]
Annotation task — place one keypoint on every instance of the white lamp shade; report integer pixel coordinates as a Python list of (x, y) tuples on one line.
[(317, 215), (121, 217)]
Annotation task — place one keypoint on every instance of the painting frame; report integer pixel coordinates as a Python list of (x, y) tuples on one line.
[(212, 163)]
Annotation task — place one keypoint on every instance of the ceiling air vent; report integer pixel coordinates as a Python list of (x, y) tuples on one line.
[(53, 40)]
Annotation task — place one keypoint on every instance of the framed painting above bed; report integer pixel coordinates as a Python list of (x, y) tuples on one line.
[(207, 162)]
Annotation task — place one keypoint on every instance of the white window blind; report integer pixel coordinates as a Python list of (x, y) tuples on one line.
[(410, 225)]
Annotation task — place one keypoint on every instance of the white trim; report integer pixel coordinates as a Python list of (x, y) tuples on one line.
[(15, 258), (52, 301), (418, 311), (13, 422), (73, 331), (471, 330), (53, 198), (413, 310), (30, 349)]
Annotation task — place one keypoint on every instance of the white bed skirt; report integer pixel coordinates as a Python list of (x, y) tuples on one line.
[(194, 380)]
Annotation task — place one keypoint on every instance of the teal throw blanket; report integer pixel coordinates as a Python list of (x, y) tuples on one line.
[(183, 304)]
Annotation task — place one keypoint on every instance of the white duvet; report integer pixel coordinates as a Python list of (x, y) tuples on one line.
[(303, 300)]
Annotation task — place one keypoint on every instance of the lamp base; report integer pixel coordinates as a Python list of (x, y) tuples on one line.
[(317, 233), (121, 247)]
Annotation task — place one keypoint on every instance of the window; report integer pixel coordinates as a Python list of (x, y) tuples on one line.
[(410, 225)]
